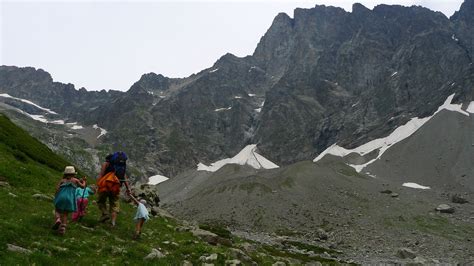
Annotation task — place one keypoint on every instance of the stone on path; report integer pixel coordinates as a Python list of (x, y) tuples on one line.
[(17, 249), (154, 254), (445, 208)]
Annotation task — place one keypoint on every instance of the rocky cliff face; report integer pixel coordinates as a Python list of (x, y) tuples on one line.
[(323, 76)]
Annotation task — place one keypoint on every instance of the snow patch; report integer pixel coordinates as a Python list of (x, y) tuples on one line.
[(394, 73), (222, 109), (262, 104), (258, 110), (251, 95), (454, 38), (57, 122), (383, 144), (38, 118), (214, 70), (470, 108), (76, 127), (156, 179), (252, 68), (414, 185), (5, 95), (237, 97), (102, 131), (247, 156)]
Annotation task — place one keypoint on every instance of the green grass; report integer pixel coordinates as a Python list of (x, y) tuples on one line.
[(30, 167)]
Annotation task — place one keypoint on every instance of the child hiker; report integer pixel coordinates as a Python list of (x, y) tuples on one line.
[(140, 217), (65, 198), (82, 196)]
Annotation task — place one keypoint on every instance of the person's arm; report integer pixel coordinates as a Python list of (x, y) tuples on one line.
[(102, 170), (81, 182), (127, 185), (134, 199)]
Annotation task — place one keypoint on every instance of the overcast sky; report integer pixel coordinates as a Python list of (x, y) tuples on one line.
[(109, 44)]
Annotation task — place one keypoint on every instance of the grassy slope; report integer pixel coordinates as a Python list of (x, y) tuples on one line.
[(30, 167)]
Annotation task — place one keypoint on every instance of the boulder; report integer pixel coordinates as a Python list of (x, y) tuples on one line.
[(406, 253), (210, 237), (4, 184), (456, 198), (157, 211), (147, 192), (394, 195), (239, 254), (186, 263), (17, 249), (279, 263), (42, 197), (445, 208), (322, 234), (154, 254), (234, 262)]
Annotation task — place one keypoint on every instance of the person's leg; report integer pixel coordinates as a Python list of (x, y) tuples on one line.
[(57, 220), (102, 203), (62, 227), (76, 214), (114, 207), (138, 227), (84, 203)]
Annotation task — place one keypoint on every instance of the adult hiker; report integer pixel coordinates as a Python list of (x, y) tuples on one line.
[(65, 198), (111, 178)]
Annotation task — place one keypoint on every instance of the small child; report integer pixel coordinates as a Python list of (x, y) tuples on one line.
[(140, 217), (65, 198), (82, 196)]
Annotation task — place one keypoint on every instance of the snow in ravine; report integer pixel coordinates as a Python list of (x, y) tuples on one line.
[(38, 118), (156, 179), (214, 70), (394, 73), (247, 156), (102, 131), (414, 185), (222, 109), (5, 95), (383, 144)]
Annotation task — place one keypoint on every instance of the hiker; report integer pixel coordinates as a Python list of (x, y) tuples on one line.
[(65, 198), (111, 178), (140, 217), (82, 196)]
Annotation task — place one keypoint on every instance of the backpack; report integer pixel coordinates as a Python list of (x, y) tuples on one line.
[(109, 183), (114, 174), (118, 161)]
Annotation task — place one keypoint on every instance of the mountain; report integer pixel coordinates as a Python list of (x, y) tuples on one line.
[(324, 76), (29, 173)]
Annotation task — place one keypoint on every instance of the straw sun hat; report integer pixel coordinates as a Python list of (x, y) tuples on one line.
[(69, 170)]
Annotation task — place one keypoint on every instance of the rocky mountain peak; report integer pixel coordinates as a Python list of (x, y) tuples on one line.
[(151, 82), (358, 8)]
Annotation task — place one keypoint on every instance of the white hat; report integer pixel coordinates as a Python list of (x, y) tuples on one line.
[(69, 170)]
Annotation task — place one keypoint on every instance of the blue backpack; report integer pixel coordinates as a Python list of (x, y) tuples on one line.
[(118, 163)]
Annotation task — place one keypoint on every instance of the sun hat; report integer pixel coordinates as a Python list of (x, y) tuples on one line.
[(69, 170)]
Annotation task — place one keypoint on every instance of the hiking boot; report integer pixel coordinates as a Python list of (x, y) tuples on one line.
[(56, 224), (136, 236), (62, 229), (104, 218)]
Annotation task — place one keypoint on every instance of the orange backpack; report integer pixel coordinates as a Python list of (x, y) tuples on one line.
[(109, 183)]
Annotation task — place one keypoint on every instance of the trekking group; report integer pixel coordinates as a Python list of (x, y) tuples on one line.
[(72, 194)]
